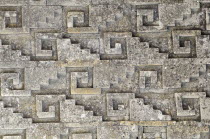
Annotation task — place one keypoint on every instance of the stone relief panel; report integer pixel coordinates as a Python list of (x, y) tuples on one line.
[(104, 69)]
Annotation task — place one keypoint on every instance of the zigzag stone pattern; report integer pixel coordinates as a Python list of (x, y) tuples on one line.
[(104, 69)]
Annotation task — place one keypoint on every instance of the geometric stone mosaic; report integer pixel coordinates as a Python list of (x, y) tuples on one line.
[(104, 69)]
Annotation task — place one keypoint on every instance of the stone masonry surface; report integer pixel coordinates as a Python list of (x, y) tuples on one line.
[(104, 69)]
